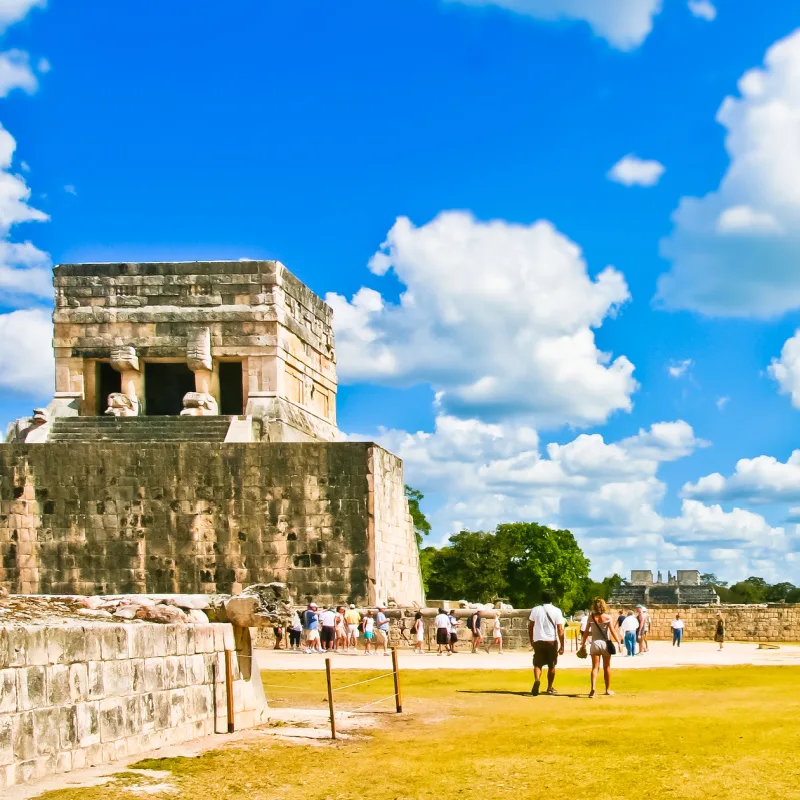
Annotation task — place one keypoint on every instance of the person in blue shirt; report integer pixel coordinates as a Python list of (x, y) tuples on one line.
[(382, 628), (311, 628)]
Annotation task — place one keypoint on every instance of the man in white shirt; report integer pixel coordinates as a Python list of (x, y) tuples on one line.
[(629, 627), (546, 635), (677, 630), (442, 625)]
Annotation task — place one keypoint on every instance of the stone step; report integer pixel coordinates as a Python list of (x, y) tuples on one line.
[(140, 429)]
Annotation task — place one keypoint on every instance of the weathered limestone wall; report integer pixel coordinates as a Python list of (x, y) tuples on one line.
[(102, 518), (75, 695), (747, 623), (396, 566)]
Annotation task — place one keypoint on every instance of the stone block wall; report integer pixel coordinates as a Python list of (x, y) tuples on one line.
[(74, 695), (746, 623), (104, 518), (396, 565)]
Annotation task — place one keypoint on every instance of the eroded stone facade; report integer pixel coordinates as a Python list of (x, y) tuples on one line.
[(216, 323), (328, 519)]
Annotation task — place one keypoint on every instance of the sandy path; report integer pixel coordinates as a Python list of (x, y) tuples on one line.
[(662, 654)]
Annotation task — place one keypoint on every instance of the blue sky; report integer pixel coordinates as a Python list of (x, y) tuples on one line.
[(302, 131)]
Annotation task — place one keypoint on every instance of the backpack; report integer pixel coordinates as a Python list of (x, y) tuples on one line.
[(362, 626), (470, 620)]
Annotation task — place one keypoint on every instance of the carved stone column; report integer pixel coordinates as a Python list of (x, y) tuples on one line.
[(198, 357), (125, 361)]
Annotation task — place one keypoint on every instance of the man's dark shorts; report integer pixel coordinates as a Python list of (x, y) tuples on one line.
[(442, 636), (545, 654)]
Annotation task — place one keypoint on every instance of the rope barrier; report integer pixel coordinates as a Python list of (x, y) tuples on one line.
[(374, 702), (358, 683)]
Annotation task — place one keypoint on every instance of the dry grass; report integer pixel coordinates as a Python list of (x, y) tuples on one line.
[(727, 733)]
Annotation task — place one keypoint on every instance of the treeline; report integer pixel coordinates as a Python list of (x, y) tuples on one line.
[(753, 590)]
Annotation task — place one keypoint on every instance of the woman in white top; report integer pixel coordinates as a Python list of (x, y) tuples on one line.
[(603, 631), (418, 632), (369, 632), (497, 635)]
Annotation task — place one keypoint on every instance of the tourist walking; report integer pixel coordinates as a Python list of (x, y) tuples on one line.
[(341, 629), (546, 635), (475, 622), (295, 631), (382, 629), (677, 630), (352, 619), (719, 632), (327, 620), (311, 627), (442, 625), (629, 627), (497, 635), (278, 631), (644, 628), (604, 635), (418, 632), (453, 631), (368, 624)]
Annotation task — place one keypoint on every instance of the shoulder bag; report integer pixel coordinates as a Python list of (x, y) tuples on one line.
[(610, 646)]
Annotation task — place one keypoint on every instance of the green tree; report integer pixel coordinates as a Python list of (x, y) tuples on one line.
[(515, 563), (750, 590), (779, 592), (592, 589), (421, 525), (710, 579)]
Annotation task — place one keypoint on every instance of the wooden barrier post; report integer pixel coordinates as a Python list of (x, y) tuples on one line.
[(330, 697), (398, 698), (229, 687)]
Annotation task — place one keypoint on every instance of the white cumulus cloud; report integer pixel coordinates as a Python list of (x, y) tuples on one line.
[(631, 170), (703, 9), (763, 479), (607, 493), (786, 369), (498, 318), (12, 11), (677, 369), (16, 73), (734, 252), (26, 357), (624, 24)]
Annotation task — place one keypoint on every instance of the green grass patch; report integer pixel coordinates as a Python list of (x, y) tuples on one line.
[(722, 732)]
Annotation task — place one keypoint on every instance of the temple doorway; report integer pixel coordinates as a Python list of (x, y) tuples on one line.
[(108, 381), (164, 388), (230, 388)]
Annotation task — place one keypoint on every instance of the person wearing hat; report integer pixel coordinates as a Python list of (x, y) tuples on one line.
[(352, 618), (311, 628)]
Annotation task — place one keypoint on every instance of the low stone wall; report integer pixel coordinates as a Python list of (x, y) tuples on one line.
[(746, 623), (778, 622), (76, 695)]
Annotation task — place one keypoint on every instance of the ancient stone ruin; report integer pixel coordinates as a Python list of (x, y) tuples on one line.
[(685, 588), (191, 446)]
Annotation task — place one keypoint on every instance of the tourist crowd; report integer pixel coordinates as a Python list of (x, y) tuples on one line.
[(338, 629)]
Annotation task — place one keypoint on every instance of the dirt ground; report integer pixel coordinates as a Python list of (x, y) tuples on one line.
[(728, 732)]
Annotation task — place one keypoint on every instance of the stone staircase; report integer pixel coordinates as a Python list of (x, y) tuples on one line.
[(628, 596), (139, 429)]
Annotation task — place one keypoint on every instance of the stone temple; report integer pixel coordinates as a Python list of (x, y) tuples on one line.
[(684, 588), (191, 446)]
